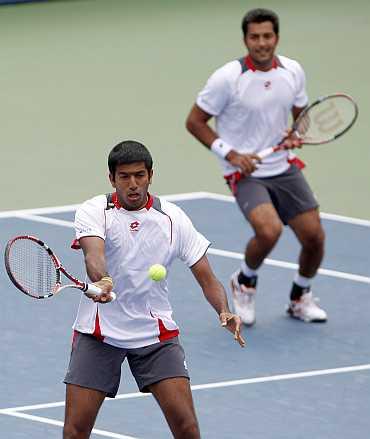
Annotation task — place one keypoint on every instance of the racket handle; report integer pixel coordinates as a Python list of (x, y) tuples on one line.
[(93, 289), (268, 151)]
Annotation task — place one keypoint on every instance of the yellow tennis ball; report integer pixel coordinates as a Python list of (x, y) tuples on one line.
[(157, 272)]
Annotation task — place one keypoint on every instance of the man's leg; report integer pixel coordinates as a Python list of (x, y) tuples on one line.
[(175, 399), (94, 372), (82, 406), (307, 227), (267, 227)]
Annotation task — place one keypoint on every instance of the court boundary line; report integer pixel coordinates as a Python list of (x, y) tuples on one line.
[(176, 197), (223, 253), (19, 411), (57, 423)]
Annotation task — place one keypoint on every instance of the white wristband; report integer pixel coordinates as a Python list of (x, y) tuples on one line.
[(220, 148)]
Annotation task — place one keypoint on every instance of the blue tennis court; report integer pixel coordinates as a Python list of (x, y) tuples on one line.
[(292, 381)]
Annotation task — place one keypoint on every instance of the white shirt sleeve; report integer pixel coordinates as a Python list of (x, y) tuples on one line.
[(301, 98), (215, 94), (191, 245), (90, 218)]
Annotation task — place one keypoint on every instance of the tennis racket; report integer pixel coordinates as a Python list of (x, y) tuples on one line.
[(326, 119), (36, 271)]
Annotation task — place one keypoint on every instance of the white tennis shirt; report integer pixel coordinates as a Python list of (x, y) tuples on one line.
[(252, 108), (134, 240)]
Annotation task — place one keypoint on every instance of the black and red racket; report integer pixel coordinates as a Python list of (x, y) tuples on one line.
[(36, 271), (323, 121)]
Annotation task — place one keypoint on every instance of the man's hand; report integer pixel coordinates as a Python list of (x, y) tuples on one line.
[(106, 285), (233, 323), (291, 140), (247, 163)]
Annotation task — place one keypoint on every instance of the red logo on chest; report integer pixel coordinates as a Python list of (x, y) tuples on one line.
[(134, 226)]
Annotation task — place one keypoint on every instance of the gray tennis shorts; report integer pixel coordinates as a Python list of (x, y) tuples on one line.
[(289, 193), (97, 365)]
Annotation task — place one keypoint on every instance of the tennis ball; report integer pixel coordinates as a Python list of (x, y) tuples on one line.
[(157, 272)]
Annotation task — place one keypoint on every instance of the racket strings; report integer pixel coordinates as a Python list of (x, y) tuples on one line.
[(32, 267), (326, 120)]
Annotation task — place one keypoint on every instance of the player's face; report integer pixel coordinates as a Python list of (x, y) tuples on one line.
[(261, 41), (131, 182)]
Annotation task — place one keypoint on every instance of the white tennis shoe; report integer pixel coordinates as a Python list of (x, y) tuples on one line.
[(243, 300), (306, 309)]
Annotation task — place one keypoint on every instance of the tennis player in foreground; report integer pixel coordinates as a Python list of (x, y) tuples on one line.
[(122, 235), (251, 99)]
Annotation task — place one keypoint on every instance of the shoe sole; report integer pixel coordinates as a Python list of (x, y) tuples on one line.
[(234, 307), (290, 314)]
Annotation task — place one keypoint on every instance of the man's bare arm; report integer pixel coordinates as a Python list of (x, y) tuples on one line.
[(216, 296)]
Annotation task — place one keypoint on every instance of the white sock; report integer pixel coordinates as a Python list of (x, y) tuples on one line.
[(247, 271), (302, 281)]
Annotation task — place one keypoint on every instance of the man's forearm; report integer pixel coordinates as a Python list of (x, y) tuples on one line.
[(95, 267), (216, 296), (202, 132), (197, 125)]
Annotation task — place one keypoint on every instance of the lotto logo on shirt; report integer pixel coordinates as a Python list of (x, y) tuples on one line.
[(267, 85), (134, 226)]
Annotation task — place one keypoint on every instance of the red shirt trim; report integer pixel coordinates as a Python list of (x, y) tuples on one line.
[(117, 204), (97, 331), (76, 244), (115, 200), (250, 64), (149, 203), (164, 333), (297, 162)]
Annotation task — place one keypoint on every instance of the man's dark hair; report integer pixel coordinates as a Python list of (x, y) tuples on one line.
[(129, 151), (259, 16)]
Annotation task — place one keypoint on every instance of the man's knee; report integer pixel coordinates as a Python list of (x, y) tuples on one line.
[(268, 234), (188, 429), (314, 240), (75, 431)]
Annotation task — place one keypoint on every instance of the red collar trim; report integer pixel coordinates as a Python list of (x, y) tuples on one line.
[(115, 200), (117, 204), (250, 64), (150, 202)]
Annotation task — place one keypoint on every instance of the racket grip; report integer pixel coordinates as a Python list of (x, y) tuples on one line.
[(266, 152), (93, 289)]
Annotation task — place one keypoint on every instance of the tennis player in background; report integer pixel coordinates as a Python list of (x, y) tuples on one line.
[(251, 99), (122, 235)]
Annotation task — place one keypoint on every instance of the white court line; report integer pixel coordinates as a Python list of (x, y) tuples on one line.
[(223, 253), (175, 197), (292, 266), (216, 385), (44, 219), (49, 421), (39, 211)]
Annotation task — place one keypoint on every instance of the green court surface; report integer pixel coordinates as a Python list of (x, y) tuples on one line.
[(78, 76)]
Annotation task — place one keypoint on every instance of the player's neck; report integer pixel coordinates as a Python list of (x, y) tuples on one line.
[(147, 204), (263, 67)]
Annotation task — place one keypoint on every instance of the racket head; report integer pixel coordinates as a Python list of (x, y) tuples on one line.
[(326, 119), (32, 266)]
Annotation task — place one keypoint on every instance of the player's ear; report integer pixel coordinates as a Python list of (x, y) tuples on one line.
[(112, 180), (150, 176)]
